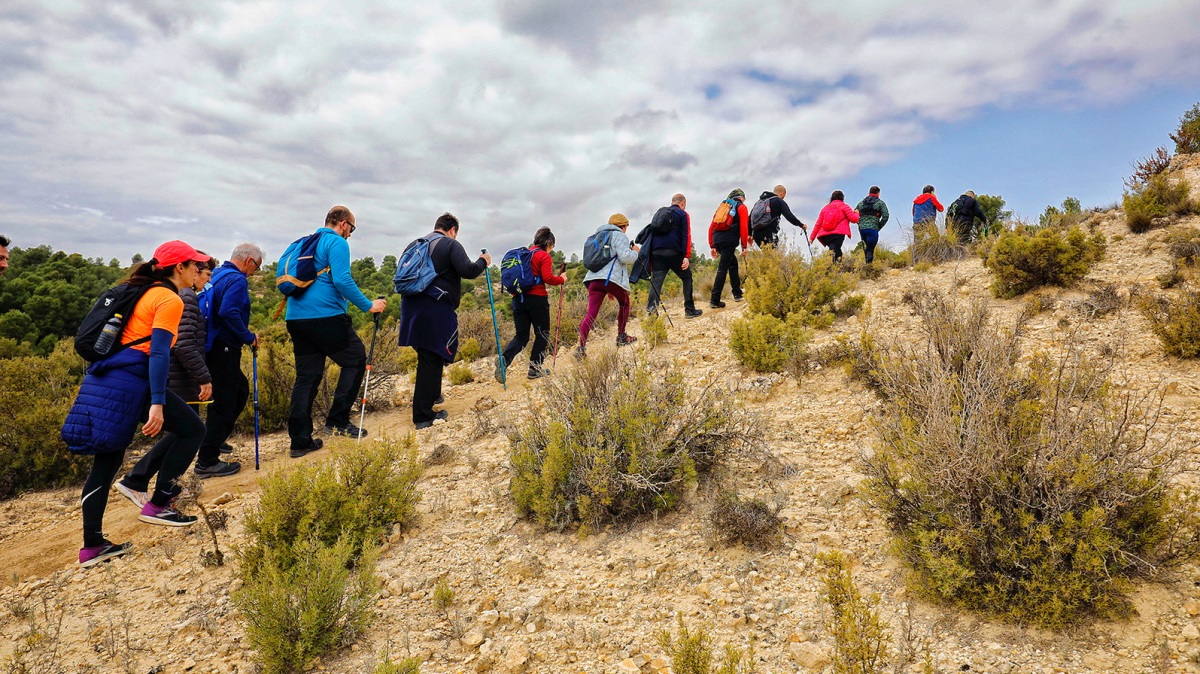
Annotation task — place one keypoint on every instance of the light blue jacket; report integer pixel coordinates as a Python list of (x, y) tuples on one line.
[(328, 295), (616, 271)]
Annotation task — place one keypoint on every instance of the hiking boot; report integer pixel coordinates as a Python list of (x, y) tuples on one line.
[(349, 430), (138, 498), (737, 298), (538, 371), (716, 304), (625, 340), (312, 447), (225, 448), (580, 352), (691, 313), (439, 416), (102, 553), (165, 516), (651, 309), (441, 400), (218, 469), (500, 373)]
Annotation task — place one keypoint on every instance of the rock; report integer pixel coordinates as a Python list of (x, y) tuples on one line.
[(1190, 632), (472, 638), (627, 666), (516, 659), (223, 499), (809, 656), (489, 618)]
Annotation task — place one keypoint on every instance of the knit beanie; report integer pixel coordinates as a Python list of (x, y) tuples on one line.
[(618, 219)]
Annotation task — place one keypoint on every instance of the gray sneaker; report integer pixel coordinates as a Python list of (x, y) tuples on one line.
[(218, 469)]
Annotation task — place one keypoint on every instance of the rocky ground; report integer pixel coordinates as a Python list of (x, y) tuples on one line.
[(530, 601)]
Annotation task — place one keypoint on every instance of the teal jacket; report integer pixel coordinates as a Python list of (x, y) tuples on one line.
[(872, 213), (328, 295)]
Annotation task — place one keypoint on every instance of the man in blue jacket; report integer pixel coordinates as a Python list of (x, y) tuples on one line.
[(671, 251), (228, 330), (320, 328)]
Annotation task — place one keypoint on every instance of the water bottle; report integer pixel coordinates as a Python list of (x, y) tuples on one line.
[(108, 335)]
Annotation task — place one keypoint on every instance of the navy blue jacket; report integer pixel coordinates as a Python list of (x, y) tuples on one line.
[(679, 239), (110, 404), (229, 319)]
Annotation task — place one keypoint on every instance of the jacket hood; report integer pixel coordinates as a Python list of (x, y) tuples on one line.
[(923, 198), (607, 228), (766, 195)]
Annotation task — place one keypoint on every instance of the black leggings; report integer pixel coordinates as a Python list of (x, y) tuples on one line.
[(182, 431), (532, 311), (834, 243)]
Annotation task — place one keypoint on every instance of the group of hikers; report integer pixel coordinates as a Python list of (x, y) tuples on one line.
[(179, 343)]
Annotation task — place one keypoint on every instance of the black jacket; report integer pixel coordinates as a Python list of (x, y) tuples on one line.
[(964, 211), (779, 208), (188, 371)]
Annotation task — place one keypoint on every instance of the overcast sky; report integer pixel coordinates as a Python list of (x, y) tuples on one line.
[(124, 123)]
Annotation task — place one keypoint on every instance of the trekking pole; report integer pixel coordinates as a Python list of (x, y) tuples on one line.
[(254, 367), (657, 297), (362, 408), (558, 326), (487, 274)]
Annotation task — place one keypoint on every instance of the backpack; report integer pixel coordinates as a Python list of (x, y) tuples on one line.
[(204, 299), (597, 250), (297, 268), (760, 215), (663, 221), (414, 270), (116, 300), (516, 272), (959, 207), (870, 207), (723, 218)]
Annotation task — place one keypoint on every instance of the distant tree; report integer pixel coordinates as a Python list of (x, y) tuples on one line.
[(1187, 136), (993, 207), (138, 259)]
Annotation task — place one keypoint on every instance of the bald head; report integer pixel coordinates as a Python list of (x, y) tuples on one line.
[(679, 199), (780, 191)]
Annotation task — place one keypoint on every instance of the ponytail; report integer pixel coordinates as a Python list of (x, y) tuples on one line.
[(148, 273)]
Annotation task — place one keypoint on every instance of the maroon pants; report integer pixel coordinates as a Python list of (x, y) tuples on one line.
[(597, 289)]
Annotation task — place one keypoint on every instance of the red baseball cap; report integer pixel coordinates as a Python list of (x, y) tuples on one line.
[(172, 253)]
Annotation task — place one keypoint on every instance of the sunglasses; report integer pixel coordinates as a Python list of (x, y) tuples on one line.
[(352, 227)]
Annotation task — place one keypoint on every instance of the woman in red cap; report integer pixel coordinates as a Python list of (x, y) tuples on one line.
[(115, 392)]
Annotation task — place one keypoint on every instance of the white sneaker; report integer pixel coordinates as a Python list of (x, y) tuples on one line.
[(138, 498)]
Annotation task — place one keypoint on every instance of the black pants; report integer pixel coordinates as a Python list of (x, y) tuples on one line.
[(428, 385), (728, 264), (531, 312), (169, 457), (834, 243), (230, 391), (766, 235), (314, 340), (664, 261)]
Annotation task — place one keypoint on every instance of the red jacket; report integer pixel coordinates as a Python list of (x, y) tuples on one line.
[(543, 266), (835, 218), (741, 227)]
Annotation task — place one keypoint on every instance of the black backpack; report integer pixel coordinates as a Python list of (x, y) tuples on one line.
[(597, 250), (960, 207), (116, 300), (663, 221)]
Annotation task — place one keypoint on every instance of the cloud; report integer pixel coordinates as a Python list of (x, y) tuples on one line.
[(246, 121)]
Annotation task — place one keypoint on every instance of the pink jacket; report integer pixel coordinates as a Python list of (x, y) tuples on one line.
[(835, 218)]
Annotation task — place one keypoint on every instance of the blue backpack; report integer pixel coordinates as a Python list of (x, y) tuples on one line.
[(597, 250), (414, 270), (204, 299), (297, 268), (516, 272)]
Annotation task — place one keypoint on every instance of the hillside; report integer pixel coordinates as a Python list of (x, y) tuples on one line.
[(528, 600)]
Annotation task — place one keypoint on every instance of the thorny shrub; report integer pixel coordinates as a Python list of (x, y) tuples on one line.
[(618, 436), (752, 522), (1101, 301), (1175, 321), (861, 638), (1034, 490), (764, 343), (1147, 168), (1147, 203), (1023, 259), (783, 283), (1183, 245)]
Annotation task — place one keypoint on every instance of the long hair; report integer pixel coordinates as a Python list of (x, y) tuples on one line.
[(543, 238), (149, 272)]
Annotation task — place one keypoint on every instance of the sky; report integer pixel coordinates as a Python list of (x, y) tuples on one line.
[(126, 123)]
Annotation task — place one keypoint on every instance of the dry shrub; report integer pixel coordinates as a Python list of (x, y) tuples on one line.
[(931, 246), (861, 638), (1175, 321), (752, 522), (1147, 168), (782, 283), (1147, 204), (1031, 490), (618, 436), (1183, 245), (1024, 258), (767, 344), (1100, 302)]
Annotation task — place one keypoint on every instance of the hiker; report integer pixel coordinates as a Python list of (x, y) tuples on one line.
[(532, 309), (228, 331), (320, 328), (723, 240), (115, 393), (833, 224), (926, 207), (872, 216), (765, 215), (429, 320), (188, 378), (962, 215), (671, 250), (3, 253), (610, 280)]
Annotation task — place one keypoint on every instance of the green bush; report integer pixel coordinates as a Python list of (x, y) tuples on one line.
[(35, 394), (460, 373), (691, 652), (861, 638), (1156, 198), (468, 350), (1187, 135), (1175, 321), (767, 344), (357, 496), (1030, 490), (306, 602), (618, 436), (405, 666), (781, 283), (1023, 259), (654, 330)]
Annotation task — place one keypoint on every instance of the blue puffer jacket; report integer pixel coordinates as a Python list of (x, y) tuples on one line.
[(110, 404)]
